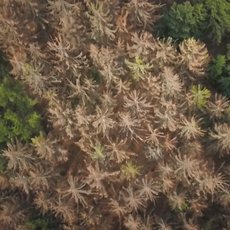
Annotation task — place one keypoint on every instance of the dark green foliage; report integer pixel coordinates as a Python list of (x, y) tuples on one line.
[(183, 21), (203, 19), (40, 224), (217, 22), (18, 118), (37, 221), (219, 72), (217, 67)]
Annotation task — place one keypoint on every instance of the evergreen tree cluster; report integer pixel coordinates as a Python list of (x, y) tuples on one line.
[(202, 19)]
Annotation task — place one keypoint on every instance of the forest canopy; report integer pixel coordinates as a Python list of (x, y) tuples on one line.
[(114, 115)]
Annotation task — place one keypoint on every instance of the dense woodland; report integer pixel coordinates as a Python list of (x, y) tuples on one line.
[(114, 115)]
